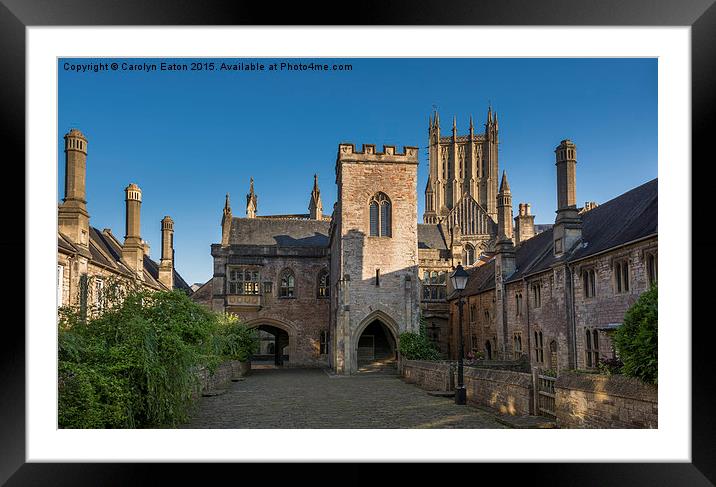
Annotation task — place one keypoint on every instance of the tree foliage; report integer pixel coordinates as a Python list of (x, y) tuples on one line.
[(636, 340)]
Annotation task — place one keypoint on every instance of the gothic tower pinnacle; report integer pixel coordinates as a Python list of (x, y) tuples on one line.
[(315, 206), (251, 202)]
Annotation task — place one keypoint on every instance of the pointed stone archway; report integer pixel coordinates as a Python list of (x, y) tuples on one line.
[(374, 342), (283, 333)]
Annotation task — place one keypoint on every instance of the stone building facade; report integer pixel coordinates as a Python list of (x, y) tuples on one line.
[(88, 259), (557, 297), (338, 290)]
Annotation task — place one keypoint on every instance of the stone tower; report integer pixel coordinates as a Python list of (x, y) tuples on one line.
[(568, 224), (315, 206), (73, 219), (133, 249), (166, 264), (251, 202), (374, 248), (524, 224), (505, 262), (462, 177), (226, 223)]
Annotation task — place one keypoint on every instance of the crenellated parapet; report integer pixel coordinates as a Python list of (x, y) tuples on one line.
[(368, 153)]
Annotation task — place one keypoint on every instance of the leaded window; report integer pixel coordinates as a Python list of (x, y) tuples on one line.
[(590, 283), (288, 283), (323, 287), (434, 285), (243, 281), (621, 276), (380, 216)]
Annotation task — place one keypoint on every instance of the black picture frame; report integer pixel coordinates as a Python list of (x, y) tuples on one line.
[(16, 15)]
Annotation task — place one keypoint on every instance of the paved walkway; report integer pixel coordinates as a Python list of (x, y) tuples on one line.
[(310, 398)]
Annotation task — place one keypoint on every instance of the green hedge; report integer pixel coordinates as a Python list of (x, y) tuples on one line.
[(135, 365)]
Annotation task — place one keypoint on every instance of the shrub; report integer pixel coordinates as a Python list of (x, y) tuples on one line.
[(636, 340), (134, 366), (417, 346), (239, 342)]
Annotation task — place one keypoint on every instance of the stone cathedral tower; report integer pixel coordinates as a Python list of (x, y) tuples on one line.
[(463, 182)]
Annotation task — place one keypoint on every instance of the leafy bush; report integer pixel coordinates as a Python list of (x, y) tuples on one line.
[(612, 366), (239, 342), (134, 365), (417, 346), (636, 340)]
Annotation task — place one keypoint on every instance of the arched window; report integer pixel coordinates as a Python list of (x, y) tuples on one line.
[(469, 254), (323, 287), (287, 289), (380, 216)]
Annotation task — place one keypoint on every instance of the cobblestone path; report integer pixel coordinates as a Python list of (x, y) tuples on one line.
[(310, 398)]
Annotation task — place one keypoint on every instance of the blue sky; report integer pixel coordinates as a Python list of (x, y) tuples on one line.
[(188, 138)]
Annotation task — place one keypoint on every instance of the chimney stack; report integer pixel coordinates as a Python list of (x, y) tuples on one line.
[(133, 248), (72, 216), (166, 264), (524, 224), (568, 224)]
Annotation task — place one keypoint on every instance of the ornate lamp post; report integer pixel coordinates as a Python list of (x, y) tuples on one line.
[(459, 279)]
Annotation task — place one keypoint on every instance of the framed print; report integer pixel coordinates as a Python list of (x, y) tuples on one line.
[(185, 107)]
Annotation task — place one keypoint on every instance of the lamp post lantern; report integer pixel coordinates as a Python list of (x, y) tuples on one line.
[(459, 280)]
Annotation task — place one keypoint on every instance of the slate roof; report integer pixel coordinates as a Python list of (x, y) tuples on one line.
[(430, 236), (106, 250), (280, 233), (626, 218)]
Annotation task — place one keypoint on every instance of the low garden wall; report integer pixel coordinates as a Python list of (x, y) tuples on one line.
[(506, 391), (221, 377), (601, 401), (428, 375)]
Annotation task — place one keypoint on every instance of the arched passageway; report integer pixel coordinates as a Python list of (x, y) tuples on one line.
[(376, 348), (273, 346)]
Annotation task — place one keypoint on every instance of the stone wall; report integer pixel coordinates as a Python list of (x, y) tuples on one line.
[(600, 401), (506, 391), (607, 307), (220, 379), (431, 376)]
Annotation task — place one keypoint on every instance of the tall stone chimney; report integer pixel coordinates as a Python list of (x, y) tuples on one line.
[(568, 224), (524, 224), (133, 249), (166, 264), (73, 219)]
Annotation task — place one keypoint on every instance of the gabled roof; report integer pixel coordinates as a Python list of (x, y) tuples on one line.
[(430, 236), (279, 233), (106, 250)]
